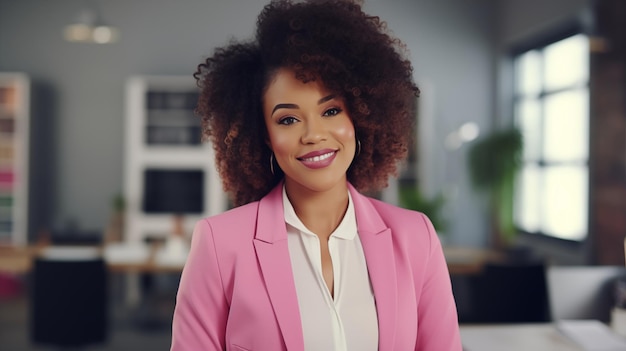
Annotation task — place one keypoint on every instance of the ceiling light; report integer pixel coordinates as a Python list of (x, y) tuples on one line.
[(89, 28), (464, 134)]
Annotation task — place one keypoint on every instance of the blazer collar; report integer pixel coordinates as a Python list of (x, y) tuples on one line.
[(270, 217), (270, 243), (378, 248)]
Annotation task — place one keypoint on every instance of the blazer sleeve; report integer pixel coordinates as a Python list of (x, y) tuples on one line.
[(438, 326), (200, 316)]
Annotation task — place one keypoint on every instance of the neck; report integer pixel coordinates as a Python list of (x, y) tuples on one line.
[(320, 211)]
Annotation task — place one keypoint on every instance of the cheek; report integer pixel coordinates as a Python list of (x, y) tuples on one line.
[(345, 131), (280, 142)]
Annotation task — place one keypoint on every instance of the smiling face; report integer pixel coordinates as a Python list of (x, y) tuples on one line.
[(310, 133)]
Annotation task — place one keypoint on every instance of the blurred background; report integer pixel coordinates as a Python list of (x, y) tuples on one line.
[(520, 152)]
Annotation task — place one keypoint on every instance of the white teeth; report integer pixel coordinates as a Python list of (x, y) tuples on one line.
[(318, 158)]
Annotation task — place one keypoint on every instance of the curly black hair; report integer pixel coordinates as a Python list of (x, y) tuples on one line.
[(350, 52)]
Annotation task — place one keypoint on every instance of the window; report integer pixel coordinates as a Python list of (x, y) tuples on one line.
[(551, 108)]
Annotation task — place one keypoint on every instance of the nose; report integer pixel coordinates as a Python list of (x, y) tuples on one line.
[(314, 131)]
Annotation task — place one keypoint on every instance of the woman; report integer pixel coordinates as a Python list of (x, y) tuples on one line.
[(317, 108)]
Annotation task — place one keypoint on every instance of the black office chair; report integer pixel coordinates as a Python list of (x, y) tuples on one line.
[(511, 293), (69, 301)]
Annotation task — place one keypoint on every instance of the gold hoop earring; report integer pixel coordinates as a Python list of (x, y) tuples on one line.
[(358, 147), (272, 163)]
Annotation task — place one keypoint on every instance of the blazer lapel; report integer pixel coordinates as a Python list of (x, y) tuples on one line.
[(378, 249), (272, 251)]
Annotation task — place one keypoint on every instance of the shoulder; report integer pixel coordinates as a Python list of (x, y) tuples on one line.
[(413, 234), (236, 215), (238, 222), (405, 223), (392, 214)]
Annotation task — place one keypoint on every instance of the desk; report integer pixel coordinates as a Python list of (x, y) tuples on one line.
[(468, 260), (137, 260), (120, 258), (142, 258), (19, 260), (515, 337)]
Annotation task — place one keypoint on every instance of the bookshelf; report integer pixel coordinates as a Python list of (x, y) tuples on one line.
[(14, 157)]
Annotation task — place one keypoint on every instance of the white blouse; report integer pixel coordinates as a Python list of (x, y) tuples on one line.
[(349, 321)]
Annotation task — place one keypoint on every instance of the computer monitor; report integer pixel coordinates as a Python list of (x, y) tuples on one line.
[(173, 191)]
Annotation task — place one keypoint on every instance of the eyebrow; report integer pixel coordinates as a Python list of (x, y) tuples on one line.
[(294, 106)]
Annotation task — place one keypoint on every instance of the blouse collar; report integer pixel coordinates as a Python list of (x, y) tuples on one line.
[(347, 229)]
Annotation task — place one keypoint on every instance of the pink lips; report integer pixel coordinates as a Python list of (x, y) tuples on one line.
[(318, 159)]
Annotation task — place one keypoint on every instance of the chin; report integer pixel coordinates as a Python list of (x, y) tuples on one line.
[(319, 185)]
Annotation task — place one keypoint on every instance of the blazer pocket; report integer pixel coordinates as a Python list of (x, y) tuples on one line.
[(239, 348)]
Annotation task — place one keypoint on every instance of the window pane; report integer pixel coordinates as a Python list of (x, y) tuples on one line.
[(528, 118), (566, 126), (566, 62), (528, 73), (565, 202), (527, 201)]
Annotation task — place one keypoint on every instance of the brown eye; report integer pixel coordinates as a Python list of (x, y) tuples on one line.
[(332, 112), (287, 120)]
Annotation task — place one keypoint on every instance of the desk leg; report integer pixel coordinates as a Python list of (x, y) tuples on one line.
[(133, 289)]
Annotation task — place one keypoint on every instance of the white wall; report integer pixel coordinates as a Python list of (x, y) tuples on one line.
[(451, 44), (519, 20), (79, 144)]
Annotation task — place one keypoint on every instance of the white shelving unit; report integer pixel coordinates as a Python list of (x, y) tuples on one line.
[(163, 134), (14, 156)]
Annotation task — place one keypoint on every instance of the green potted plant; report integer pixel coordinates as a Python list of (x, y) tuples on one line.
[(493, 164), (411, 198)]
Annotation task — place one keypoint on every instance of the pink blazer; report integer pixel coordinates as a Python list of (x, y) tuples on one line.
[(237, 290)]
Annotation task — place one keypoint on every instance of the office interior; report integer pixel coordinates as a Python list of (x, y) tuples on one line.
[(87, 173)]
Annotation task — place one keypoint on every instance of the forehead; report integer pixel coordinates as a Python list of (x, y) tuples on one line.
[(283, 84)]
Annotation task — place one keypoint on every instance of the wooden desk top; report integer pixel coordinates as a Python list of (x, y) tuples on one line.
[(468, 260), (18, 260)]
